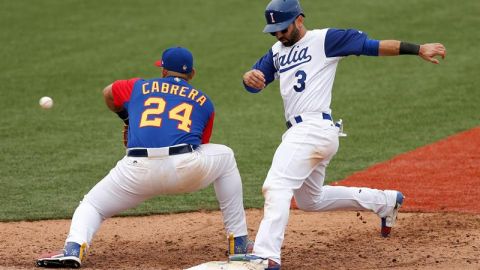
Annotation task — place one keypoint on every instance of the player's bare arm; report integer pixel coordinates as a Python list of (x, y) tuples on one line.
[(108, 96), (428, 51), (119, 110), (255, 79)]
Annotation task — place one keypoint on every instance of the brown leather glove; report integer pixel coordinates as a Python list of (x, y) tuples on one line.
[(125, 135)]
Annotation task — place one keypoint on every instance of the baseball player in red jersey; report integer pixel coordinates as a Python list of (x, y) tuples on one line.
[(168, 152)]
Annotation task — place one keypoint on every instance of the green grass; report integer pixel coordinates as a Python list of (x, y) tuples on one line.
[(71, 49)]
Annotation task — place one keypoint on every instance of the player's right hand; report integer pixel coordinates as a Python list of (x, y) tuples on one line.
[(255, 79)]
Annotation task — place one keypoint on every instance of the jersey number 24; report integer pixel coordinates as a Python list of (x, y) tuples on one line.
[(151, 116)]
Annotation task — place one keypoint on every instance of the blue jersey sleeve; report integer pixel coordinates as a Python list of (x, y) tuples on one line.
[(339, 42), (264, 64)]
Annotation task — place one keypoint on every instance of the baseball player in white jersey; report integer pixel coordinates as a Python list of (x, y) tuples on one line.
[(305, 63)]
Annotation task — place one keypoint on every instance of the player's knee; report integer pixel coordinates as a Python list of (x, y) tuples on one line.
[(88, 206), (304, 205), (229, 156), (271, 191), (265, 189), (308, 202), (275, 194), (229, 152)]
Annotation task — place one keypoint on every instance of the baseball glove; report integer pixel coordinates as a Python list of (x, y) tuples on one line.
[(125, 135)]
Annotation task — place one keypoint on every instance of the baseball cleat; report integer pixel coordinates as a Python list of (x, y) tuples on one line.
[(389, 220), (267, 263), (272, 265), (242, 245), (71, 257)]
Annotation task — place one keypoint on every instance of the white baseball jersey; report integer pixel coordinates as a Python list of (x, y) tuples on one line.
[(307, 69)]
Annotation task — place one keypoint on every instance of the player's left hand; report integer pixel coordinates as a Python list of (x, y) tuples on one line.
[(125, 135), (430, 50)]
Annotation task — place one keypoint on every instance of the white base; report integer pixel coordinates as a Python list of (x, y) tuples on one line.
[(228, 266)]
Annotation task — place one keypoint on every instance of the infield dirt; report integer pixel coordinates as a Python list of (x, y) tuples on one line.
[(334, 240), (438, 228)]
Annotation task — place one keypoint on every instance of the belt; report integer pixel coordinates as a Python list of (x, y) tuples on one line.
[(159, 152), (298, 119)]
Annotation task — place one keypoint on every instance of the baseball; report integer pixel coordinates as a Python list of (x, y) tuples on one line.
[(46, 102)]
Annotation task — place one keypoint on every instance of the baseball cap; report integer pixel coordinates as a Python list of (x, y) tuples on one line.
[(176, 59), (280, 14)]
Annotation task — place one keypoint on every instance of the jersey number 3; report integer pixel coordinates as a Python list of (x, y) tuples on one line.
[(301, 77), (181, 113)]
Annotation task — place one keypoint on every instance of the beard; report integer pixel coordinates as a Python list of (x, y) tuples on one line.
[(294, 37)]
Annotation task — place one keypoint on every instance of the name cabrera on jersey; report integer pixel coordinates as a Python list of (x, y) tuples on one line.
[(164, 112), (307, 69)]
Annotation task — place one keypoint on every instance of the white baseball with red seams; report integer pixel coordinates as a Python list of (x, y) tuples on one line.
[(46, 102)]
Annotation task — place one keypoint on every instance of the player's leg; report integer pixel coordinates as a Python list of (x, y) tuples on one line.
[(270, 235), (216, 163), (313, 196), (116, 192), (210, 163), (121, 189), (293, 161)]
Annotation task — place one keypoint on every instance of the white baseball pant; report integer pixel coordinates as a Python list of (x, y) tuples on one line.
[(298, 169), (136, 179)]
